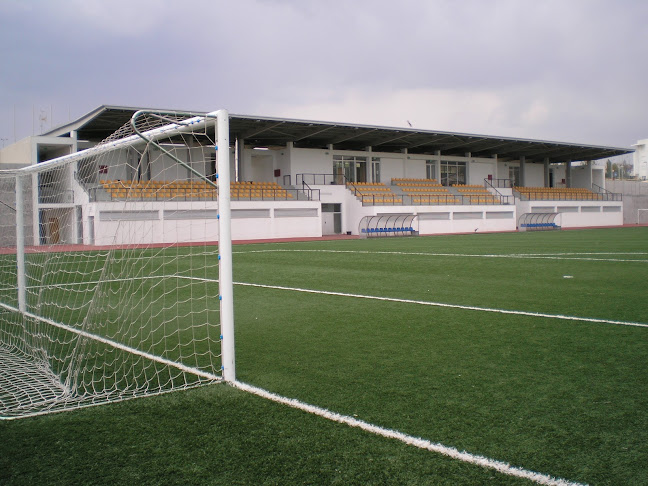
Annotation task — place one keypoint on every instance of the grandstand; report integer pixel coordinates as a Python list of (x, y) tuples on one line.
[(188, 190), (294, 178)]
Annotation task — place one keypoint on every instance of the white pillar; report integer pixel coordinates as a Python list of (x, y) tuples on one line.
[(225, 280), (240, 147), (20, 245)]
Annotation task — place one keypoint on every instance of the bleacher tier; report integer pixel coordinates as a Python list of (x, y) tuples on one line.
[(421, 192), (558, 193), (187, 190)]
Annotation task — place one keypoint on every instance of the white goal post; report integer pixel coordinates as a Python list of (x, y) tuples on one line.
[(116, 267), (642, 216)]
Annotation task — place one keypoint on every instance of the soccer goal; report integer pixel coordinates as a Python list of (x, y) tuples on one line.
[(116, 267), (642, 216)]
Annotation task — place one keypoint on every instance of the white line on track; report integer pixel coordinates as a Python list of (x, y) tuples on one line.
[(485, 462), (531, 256)]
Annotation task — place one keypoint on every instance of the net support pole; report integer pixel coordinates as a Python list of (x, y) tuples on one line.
[(20, 245), (226, 285)]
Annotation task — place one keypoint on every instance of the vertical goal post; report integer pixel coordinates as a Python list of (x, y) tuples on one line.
[(642, 216), (131, 316)]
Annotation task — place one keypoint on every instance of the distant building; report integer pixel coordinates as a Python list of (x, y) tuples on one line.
[(298, 178), (641, 159)]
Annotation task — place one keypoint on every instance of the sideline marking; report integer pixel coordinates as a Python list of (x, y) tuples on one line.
[(374, 297), (451, 306), (530, 256), (453, 453)]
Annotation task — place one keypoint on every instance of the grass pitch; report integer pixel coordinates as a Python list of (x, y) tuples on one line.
[(568, 398)]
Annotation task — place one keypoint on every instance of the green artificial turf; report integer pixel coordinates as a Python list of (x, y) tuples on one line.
[(563, 397)]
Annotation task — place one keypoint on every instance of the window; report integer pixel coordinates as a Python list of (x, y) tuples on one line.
[(430, 169), (375, 169), (514, 175), (349, 169), (453, 172)]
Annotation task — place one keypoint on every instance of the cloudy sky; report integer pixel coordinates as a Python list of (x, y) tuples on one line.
[(568, 70)]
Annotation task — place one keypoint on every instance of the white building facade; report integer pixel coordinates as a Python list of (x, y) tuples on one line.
[(641, 159), (315, 162)]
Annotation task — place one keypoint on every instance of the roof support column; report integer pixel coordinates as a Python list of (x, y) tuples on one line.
[(546, 172), (522, 181), (239, 144), (568, 174)]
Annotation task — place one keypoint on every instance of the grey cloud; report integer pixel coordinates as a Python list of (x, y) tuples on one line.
[(581, 61)]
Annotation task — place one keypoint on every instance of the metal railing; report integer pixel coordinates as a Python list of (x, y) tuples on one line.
[(500, 183), (488, 183), (100, 194), (308, 192), (391, 199), (568, 196), (321, 179), (47, 195)]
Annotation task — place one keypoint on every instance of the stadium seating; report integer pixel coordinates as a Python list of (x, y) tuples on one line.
[(374, 193), (410, 182), (430, 192), (423, 191), (188, 190), (557, 193)]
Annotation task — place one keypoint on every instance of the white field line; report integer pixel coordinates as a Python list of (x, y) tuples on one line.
[(374, 297), (532, 256), (499, 466), (451, 306)]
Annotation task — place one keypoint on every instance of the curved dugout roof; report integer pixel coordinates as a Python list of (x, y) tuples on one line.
[(274, 132)]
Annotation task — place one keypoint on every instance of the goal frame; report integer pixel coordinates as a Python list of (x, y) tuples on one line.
[(220, 118), (639, 214)]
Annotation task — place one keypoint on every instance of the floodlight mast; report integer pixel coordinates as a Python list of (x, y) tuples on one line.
[(225, 281)]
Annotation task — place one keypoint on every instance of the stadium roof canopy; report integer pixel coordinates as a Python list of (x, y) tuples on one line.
[(277, 132)]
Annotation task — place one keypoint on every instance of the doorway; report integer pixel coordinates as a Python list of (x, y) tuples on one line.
[(331, 219)]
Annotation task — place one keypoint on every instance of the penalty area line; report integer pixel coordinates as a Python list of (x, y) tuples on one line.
[(453, 453)]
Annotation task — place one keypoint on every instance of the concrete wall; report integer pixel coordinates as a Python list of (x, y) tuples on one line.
[(17, 155), (414, 167), (635, 197), (465, 219), (577, 214), (480, 169), (310, 161), (534, 175), (394, 167), (180, 222), (8, 213)]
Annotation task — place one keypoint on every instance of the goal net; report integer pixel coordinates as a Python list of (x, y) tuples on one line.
[(115, 267)]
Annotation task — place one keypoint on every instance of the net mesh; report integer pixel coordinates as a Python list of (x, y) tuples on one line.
[(121, 271)]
